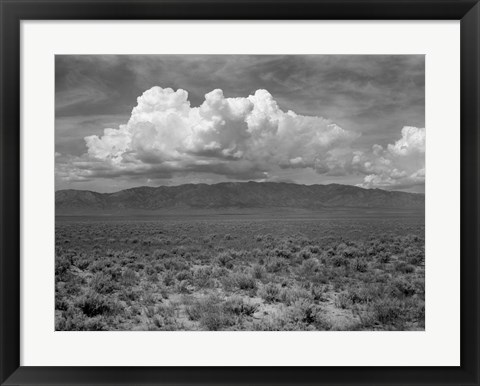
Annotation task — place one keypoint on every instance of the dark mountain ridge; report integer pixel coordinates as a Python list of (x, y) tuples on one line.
[(235, 195)]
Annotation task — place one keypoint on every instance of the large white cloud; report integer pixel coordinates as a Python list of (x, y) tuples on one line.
[(399, 165), (240, 138), (234, 137)]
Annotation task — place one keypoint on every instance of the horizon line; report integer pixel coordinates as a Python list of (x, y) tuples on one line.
[(236, 182)]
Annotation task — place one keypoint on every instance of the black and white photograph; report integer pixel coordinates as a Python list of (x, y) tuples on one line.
[(239, 192)]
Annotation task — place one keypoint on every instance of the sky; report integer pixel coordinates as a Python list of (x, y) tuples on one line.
[(150, 120)]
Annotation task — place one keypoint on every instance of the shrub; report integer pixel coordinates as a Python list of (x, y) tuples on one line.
[(93, 304), (62, 268), (60, 304), (224, 259), (160, 254), (309, 267), (183, 287), (180, 251), (96, 324), (245, 282), (383, 258), (216, 321), (403, 267), (258, 271), (339, 261), (317, 292), (283, 253), (100, 265), (387, 311), (169, 278), (183, 275), (174, 263), (416, 259), (129, 277), (210, 313), (151, 271), (229, 282), (404, 287), (360, 265), (291, 295), (103, 283), (239, 307), (202, 277), (305, 254), (351, 252), (364, 294), (270, 293), (275, 264), (82, 261), (306, 312), (166, 310), (343, 301), (203, 305)]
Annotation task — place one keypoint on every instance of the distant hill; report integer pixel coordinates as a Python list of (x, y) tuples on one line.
[(234, 195)]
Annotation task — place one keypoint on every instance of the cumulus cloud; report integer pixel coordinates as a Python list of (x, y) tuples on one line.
[(399, 165), (243, 138), (239, 138)]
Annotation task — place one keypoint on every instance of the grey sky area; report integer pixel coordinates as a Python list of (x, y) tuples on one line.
[(130, 120)]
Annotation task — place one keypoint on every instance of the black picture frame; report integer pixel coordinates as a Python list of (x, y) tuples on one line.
[(13, 11)]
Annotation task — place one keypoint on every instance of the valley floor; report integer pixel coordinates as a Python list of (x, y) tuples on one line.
[(241, 271)]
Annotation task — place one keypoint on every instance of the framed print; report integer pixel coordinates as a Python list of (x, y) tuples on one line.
[(239, 193)]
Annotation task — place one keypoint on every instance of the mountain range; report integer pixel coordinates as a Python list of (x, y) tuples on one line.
[(234, 195)]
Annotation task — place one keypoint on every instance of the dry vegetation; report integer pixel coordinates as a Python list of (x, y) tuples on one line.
[(240, 273)]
